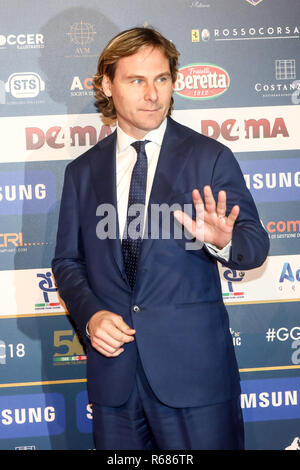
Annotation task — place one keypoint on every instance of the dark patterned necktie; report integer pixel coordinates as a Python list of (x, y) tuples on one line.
[(132, 237)]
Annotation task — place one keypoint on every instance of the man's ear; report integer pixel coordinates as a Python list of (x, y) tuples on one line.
[(106, 86)]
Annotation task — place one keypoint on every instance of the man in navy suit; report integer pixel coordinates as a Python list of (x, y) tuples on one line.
[(162, 372)]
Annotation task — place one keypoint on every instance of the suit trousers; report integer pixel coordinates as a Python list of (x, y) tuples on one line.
[(145, 423)]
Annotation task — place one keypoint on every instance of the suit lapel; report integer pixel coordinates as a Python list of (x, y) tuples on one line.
[(171, 162), (103, 173)]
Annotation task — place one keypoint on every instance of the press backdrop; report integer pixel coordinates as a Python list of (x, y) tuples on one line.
[(238, 83)]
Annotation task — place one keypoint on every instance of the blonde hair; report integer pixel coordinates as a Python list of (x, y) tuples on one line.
[(125, 44)]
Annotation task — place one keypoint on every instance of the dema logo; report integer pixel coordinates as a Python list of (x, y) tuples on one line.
[(32, 415), (270, 399)]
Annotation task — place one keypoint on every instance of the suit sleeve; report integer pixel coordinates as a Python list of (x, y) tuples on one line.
[(68, 265), (250, 241)]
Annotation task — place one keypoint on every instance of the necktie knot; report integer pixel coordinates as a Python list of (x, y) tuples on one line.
[(139, 145)]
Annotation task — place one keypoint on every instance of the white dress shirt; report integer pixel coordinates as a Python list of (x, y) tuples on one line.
[(125, 161)]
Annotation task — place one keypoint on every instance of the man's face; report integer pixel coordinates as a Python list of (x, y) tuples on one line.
[(141, 91)]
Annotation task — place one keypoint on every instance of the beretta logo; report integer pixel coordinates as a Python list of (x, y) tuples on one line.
[(201, 81)]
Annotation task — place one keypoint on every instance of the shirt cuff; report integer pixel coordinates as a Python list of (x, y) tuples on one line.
[(224, 253)]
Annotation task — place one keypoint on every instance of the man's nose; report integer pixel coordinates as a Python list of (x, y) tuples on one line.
[(151, 92)]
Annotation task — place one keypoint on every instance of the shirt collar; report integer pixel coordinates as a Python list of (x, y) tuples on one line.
[(155, 135)]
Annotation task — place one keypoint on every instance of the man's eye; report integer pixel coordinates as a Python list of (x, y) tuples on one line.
[(137, 80)]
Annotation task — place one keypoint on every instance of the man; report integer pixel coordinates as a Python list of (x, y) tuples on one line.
[(162, 373)]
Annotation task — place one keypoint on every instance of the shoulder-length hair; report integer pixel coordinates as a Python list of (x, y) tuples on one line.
[(125, 44)]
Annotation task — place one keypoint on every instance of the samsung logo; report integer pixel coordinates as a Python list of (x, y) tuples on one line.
[(32, 415), (272, 180), (27, 192), (22, 192), (266, 399), (28, 415), (270, 399)]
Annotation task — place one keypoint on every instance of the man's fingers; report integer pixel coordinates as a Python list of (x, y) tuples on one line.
[(233, 215), (107, 353), (221, 204), (185, 220), (122, 325), (209, 200)]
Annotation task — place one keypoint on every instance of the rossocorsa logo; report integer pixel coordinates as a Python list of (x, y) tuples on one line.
[(201, 81), (32, 415)]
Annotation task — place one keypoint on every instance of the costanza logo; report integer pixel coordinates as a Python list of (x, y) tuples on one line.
[(24, 85), (22, 41), (285, 83), (32, 415), (201, 81)]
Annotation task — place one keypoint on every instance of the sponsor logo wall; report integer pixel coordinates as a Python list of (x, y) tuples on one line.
[(239, 83)]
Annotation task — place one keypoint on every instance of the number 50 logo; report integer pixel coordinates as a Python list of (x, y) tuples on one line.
[(69, 347)]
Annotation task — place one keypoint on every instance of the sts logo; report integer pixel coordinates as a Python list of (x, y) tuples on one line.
[(24, 85)]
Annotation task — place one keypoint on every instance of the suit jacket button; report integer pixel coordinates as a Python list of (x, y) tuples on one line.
[(136, 308), (239, 257)]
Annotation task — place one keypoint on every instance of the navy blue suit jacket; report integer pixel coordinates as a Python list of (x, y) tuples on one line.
[(182, 326)]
